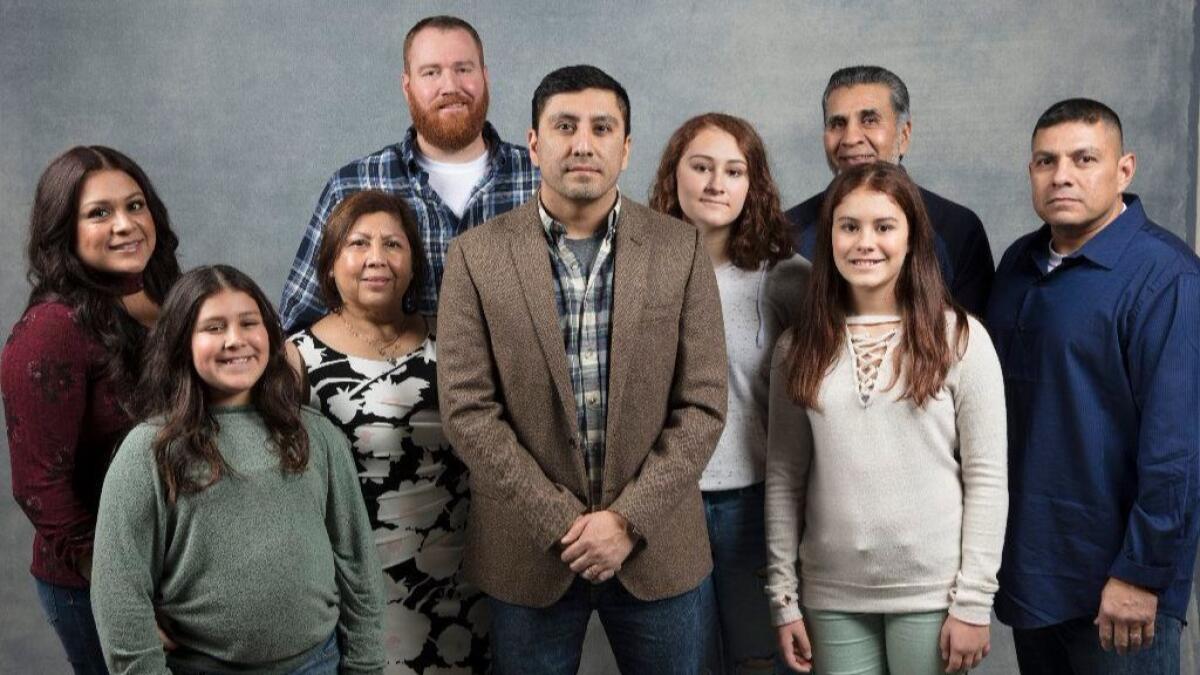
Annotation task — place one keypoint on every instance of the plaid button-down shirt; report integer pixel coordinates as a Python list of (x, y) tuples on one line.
[(585, 302), (511, 180)]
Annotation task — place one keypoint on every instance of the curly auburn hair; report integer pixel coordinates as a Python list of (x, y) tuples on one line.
[(760, 232)]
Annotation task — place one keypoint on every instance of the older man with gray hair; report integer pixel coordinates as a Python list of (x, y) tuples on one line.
[(867, 119)]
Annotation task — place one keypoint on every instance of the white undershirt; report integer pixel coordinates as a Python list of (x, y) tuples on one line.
[(454, 182)]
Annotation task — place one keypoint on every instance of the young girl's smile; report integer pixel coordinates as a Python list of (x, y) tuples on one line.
[(870, 243), (230, 346)]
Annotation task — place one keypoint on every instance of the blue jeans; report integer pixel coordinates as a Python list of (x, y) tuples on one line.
[(657, 636), (69, 611), (744, 639), (1073, 648)]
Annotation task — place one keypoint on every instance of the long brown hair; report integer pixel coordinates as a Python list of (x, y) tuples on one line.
[(171, 392), (56, 272), (923, 354), (760, 232)]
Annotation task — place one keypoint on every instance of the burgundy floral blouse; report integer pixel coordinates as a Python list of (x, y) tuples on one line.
[(64, 424)]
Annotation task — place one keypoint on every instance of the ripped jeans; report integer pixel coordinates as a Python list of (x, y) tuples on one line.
[(744, 640)]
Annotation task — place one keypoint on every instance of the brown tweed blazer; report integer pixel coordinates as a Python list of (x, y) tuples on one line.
[(508, 408)]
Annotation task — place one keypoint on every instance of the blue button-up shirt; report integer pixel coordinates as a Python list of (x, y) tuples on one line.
[(1101, 361), (510, 180)]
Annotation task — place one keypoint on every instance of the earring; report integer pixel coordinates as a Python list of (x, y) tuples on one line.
[(409, 302)]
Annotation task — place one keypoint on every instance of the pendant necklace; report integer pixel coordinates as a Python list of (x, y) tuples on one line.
[(379, 345)]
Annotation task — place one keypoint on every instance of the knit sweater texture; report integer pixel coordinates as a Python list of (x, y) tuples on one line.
[(246, 575), (888, 508), (756, 305)]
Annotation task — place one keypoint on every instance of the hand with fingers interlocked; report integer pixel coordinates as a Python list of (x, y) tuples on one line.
[(596, 545)]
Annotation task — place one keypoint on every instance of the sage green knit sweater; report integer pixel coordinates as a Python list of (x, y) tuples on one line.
[(248, 574)]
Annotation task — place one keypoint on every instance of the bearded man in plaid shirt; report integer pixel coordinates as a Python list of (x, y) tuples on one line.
[(451, 168)]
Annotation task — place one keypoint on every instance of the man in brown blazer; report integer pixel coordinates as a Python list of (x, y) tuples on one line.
[(582, 379)]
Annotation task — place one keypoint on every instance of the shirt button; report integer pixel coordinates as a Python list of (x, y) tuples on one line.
[(589, 355), (592, 399)]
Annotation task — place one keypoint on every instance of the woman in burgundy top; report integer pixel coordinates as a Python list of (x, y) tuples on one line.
[(101, 258)]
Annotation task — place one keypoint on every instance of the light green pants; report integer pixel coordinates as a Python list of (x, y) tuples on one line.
[(846, 643)]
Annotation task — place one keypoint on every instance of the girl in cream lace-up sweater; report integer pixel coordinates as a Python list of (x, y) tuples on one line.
[(886, 464)]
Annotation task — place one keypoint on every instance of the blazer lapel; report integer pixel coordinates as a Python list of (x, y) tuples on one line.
[(532, 261), (629, 281)]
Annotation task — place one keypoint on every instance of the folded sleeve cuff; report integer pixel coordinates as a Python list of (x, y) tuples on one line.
[(785, 609), (1147, 576)]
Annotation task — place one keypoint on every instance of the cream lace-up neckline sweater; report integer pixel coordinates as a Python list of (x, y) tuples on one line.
[(888, 507)]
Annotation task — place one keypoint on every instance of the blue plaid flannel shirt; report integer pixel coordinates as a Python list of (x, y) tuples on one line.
[(511, 180), (585, 301)]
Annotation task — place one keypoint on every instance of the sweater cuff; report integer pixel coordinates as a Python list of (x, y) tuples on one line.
[(976, 616), (972, 602), (1153, 577), (785, 609)]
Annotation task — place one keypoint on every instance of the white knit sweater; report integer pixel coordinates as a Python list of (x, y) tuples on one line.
[(888, 508), (756, 305)]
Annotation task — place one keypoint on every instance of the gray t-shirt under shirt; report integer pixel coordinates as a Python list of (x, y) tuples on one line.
[(585, 249)]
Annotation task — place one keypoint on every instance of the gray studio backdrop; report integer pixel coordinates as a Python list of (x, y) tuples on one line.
[(239, 112)]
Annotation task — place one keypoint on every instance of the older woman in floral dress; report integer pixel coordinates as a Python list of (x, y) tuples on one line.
[(371, 368)]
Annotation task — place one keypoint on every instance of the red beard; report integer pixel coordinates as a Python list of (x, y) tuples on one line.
[(450, 133)]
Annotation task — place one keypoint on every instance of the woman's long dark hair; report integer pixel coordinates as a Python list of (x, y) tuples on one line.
[(172, 392), (760, 232), (923, 353), (57, 273)]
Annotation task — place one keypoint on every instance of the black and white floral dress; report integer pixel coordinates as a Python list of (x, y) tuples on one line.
[(416, 495)]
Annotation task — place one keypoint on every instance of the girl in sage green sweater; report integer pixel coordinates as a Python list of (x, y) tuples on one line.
[(886, 462), (231, 535)]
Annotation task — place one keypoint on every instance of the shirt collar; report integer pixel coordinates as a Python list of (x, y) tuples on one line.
[(408, 147), (1106, 247), (555, 229)]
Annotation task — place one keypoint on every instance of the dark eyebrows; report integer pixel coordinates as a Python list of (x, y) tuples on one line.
[(204, 320), (1049, 154), (604, 117), (103, 202), (701, 155)]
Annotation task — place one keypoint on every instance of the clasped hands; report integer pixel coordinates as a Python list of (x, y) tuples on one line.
[(596, 545)]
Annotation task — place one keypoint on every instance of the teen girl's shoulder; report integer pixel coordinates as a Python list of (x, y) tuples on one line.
[(134, 459), (321, 431), (978, 344)]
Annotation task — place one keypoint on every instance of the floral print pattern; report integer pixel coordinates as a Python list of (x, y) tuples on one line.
[(416, 494)]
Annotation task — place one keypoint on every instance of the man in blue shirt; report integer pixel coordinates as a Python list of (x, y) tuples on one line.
[(451, 168), (867, 119), (1096, 318)]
